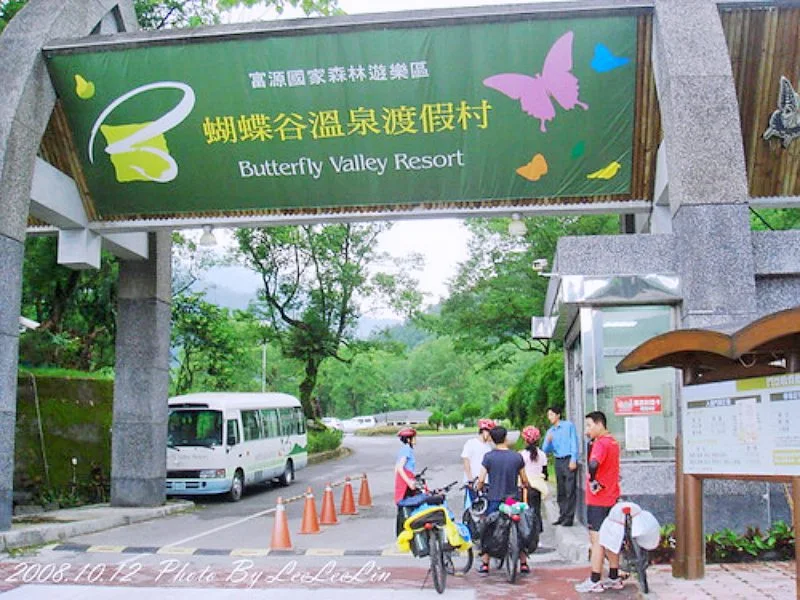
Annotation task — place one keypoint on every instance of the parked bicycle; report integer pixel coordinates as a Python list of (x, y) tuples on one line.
[(507, 531), (430, 530), (635, 557)]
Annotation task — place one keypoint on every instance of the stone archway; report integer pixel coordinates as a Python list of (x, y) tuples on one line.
[(29, 100)]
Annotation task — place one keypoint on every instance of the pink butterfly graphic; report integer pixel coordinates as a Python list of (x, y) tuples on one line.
[(555, 80)]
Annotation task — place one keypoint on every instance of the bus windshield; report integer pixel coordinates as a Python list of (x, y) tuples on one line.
[(194, 428)]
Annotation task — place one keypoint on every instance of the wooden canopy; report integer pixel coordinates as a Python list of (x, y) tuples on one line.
[(768, 346)]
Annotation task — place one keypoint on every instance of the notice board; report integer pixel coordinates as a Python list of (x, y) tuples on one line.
[(742, 427)]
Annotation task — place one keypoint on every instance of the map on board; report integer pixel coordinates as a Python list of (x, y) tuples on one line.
[(745, 427)]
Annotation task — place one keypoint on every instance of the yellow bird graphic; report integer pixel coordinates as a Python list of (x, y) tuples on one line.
[(607, 172)]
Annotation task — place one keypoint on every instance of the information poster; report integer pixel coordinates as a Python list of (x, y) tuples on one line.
[(744, 427)]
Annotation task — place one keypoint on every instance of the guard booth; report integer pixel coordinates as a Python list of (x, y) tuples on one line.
[(738, 418)]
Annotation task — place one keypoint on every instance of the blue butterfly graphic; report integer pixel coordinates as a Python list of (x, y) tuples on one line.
[(604, 60)]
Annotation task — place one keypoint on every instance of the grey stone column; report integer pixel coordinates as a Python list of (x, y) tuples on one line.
[(28, 99), (11, 251), (141, 385), (705, 161)]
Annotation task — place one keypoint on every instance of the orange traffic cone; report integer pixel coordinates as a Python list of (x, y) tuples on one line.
[(328, 514), (310, 522), (280, 533), (364, 497), (348, 505)]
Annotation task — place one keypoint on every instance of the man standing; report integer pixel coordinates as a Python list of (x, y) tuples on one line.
[(562, 441), (473, 452), (506, 467), (602, 492)]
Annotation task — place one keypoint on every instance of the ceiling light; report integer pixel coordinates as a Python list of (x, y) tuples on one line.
[(517, 226)]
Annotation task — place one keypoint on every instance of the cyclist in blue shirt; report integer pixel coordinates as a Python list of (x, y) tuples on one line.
[(562, 441)]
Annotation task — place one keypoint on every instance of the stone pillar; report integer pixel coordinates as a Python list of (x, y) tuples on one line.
[(28, 99), (708, 200), (706, 165), (141, 385), (11, 251)]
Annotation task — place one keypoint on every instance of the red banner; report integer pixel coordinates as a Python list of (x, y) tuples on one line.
[(637, 405)]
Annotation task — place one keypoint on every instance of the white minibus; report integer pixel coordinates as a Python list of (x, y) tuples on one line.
[(218, 442)]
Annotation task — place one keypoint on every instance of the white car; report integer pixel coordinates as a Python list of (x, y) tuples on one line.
[(332, 423), (350, 425)]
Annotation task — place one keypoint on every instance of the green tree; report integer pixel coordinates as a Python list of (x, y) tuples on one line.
[(76, 309), (161, 14), (207, 344), (495, 292), (775, 218), (312, 279), (540, 387)]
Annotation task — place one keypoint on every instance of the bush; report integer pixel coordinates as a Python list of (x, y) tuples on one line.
[(728, 546), (393, 429), (322, 441)]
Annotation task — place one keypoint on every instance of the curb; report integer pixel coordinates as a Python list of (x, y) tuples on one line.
[(45, 533), (572, 543), (319, 457)]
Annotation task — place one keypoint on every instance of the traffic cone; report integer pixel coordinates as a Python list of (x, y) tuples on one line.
[(328, 514), (280, 533), (364, 497), (348, 504), (310, 522)]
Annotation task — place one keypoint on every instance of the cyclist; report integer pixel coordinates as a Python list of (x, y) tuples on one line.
[(404, 467), (472, 456), (535, 465), (504, 466)]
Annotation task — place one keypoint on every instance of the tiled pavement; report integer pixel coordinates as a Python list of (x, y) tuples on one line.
[(773, 580), (742, 581)]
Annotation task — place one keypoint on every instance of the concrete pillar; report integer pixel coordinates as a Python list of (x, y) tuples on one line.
[(708, 200), (28, 99), (11, 251), (705, 160), (141, 384)]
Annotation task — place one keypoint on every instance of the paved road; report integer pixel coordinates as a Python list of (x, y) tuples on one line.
[(219, 550)]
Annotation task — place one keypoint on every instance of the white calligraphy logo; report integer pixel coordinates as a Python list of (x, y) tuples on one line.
[(161, 125)]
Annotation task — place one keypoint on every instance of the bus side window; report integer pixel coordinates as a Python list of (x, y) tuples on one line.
[(233, 432)]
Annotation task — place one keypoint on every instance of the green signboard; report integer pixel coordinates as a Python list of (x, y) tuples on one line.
[(425, 115)]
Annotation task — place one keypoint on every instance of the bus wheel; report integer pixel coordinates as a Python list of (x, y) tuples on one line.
[(288, 474), (237, 487)]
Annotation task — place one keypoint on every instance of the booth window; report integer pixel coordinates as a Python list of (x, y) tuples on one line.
[(640, 407)]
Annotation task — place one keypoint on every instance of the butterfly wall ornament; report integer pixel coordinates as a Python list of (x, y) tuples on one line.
[(784, 123), (555, 81)]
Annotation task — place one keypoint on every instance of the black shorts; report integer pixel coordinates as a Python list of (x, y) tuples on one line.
[(595, 515)]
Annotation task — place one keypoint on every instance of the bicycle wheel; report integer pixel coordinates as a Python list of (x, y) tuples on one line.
[(437, 560), (512, 558), (458, 563), (641, 559)]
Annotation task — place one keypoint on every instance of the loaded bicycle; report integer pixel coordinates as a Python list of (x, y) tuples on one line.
[(507, 532), (429, 529), (636, 558), (631, 531)]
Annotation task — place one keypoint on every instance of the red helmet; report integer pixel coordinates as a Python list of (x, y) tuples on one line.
[(531, 434), (487, 424), (407, 432)]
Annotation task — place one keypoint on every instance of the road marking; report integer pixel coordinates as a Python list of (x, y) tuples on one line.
[(101, 548), (325, 552), (250, 552), (205, 533), (170, 550)]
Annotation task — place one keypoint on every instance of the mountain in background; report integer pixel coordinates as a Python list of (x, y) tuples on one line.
[(226, 297)]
